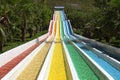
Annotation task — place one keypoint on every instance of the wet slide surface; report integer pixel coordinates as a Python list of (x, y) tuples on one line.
[(84, 72), (101, 62), (11, 64), (115, 73), (57, 67), (51, 62), (105, 65), (33, 68)]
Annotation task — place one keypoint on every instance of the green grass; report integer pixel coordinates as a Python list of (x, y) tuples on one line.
[(16, 43)]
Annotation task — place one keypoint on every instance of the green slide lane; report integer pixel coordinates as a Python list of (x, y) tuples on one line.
[(84, 72)]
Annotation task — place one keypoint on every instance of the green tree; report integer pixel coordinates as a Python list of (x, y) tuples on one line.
[(101, 3), (106, 20), (2, 38), (23, 18), (115, 7)]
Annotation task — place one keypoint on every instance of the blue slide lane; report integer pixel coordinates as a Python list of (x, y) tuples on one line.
[(106, 66), (99, 48)]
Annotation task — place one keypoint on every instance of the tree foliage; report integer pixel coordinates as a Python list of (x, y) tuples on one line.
[(109, 19), (23, 18), (103, 20)]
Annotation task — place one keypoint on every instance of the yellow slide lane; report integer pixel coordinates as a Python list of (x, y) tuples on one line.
[(33, 68), (57, 67)]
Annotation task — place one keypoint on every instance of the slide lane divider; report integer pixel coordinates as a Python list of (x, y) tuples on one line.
[(106, 49), (38, 42), (14, 73), (50, 27), (80, 65), (67, 62), (103, 60), (57, 68), (95, 67), (45, 69), (67, 66), (106, 68), (10, 54), (54, 28), (72, 68), (5, 69), (106, 57), (36, 63), (101, 70), (43, 75)]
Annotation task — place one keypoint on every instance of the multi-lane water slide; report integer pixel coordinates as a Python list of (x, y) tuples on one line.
[(59, 55), (110, 69)]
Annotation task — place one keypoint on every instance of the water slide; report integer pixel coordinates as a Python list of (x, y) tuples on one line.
[(11, 64), (58, 55), (81, 67), (111, 70), (57, 67), (7, 66)]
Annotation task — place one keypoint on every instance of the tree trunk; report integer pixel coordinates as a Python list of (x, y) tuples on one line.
[(30, 34), (37, 29), (40, 28), (1, 46), (24, 28), (107, 38)]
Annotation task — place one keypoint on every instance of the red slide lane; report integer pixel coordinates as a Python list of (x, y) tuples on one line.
[(51, 26), (11, 64)]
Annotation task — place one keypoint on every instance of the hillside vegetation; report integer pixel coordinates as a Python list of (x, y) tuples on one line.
[(23, 19), (97, 19), (74, 4)]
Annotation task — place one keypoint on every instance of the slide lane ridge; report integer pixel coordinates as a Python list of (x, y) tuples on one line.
[(33, 68), (83, 70), (36, 63), (105, 65), (11, 64), (64, 50), (57, 68)]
